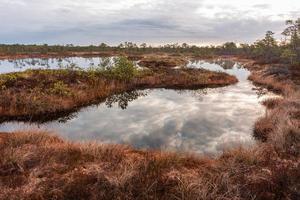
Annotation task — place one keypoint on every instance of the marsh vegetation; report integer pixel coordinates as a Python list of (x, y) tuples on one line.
[(38, 165)]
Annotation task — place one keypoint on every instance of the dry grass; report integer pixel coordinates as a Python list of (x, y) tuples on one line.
[(39, 166), (283, 112), (46, 94), (156, 62), (272, 83), (272, 103)]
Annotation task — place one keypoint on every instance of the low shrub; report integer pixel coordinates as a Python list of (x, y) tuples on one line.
[(7, 80), (123, 69), (60, 88)]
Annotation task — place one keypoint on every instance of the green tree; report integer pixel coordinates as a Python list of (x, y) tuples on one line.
[(269, 40), (185, 45), (267, 49), (229, 48), (290, 55), (103, 46), (123, 69), (292, 32), (143, 45)]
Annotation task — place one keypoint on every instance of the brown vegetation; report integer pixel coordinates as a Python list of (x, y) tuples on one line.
[(46, 94), (156, 62), (39, 166), (271, 82), (282, 114)]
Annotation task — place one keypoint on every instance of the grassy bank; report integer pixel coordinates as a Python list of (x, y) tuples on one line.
[(39, 166), (283, 117), (48, 94)]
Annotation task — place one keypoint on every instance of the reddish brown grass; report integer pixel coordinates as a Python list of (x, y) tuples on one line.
[(156, 62), (272, 103), (271, 83), (39, 166)]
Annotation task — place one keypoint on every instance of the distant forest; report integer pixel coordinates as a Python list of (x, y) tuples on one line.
[(266, 50)]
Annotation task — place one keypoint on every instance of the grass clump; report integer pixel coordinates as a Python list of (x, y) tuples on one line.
[(7, 79), (61, 89), (157, 62)]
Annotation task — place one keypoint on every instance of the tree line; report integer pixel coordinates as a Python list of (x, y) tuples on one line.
[(266, 50)]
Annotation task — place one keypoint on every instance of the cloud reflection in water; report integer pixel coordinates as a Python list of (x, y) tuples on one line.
[(204, 121)]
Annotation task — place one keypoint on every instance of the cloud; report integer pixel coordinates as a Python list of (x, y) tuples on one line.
[(95, 21), (262, 6)]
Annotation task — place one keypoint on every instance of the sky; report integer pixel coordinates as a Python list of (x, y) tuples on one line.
[(200, 22)]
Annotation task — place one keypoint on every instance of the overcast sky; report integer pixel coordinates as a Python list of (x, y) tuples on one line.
[(152, 21)]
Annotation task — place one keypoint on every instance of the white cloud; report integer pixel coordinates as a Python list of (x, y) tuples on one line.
[(94, 21)]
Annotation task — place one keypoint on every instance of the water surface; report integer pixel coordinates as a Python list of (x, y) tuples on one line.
[(203, 121), (18, 65)]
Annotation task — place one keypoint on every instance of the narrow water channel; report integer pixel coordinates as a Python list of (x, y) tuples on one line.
[(203, 121)]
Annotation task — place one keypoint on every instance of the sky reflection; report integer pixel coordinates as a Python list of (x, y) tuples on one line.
[(203, 121), (18, 65)]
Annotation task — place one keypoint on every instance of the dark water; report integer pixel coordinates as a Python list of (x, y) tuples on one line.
[(203, 121)]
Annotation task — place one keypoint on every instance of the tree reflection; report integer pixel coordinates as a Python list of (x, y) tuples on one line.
[(225, 64), (198, 94), (124, 98), (65, 119), (61, 63), (69, 63)]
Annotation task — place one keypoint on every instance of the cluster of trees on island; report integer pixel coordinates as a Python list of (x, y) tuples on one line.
[(266, 50)]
